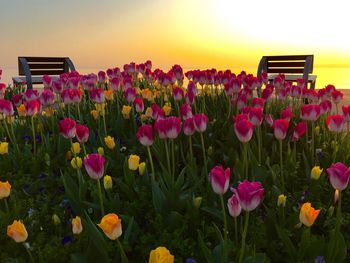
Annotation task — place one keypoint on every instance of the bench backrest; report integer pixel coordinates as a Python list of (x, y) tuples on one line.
[(291, 64), (39, 66)]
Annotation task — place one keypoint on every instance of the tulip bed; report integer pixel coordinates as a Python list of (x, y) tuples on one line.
[(140, 165)]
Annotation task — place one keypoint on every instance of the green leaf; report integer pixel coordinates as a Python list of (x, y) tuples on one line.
[(205, 250), (292, 252), (128, 230), (213, 211), (158, 197)]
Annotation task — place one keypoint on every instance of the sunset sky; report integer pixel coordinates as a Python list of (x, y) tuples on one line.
[(196, 34)]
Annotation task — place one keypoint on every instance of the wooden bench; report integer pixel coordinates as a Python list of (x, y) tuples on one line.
[(32, 69), (293, 67)]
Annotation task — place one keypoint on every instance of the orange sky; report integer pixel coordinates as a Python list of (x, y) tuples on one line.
[(221, 33)]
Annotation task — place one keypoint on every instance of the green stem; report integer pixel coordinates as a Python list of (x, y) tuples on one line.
[(30, 254), (245, 161), (14, 138), (6, 206), (190, 146), (79, 115), (244, 235), (236, 231), (225, 219), (84, 149), (173, 158), (100, 197), (151, 161), (104, 121), (338, 213), (33, 130), (312, 143), (204, 157), (281, 165), (259, 144), (122, 253), (167, 156)]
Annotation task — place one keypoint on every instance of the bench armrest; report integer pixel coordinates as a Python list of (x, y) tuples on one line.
[(24, 64)]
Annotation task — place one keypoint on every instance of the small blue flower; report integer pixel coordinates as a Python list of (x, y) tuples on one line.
[(320, 259), (31, 212), (191, 260), (66, 240), (42, 176)]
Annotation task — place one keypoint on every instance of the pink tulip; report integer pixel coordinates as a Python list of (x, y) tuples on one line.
[(94, 165), (157, 112), (310, 112), (173, 127), (287, 114), (258, 103), (346, 112), (335, 123), (47, 97), (185, 111), (220, 179), (47, 81), (68, 128), (266, 93), (101, 77), (82, 133), (97, 95), (280, 128), (243, 129), (139, 106), (70, 96), (299, 131), (189, 127), (31, 94), (130, 94), (178, 93), (161, 127), (296, 91), (256, 116), (249, 194), (200, 122), (234, 208), (190, 97), (33, 107), (57, 85), (337, 96), (242, 101), (17, 99), (145, 135), (115, 83), (339, 176), (325, 106), (269, 120), (6, 108)]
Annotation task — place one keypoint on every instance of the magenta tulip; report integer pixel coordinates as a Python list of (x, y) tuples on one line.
[(299, 131), (335, 123), (185, 111), (220, 179), (33, 107), (97, 95), (6, 107), (173, 127), (145, 135), (200, 122), (280, 128), (68, 128), (243, 129), (249, 194), (82, 133), (310, 112), (139, 106), (94, 165), (339, 176), (234, 208), (189, 127)]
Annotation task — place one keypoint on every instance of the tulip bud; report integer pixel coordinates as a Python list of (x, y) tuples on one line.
[(142, 168), (281, 201), (316, 173), (317, 130), (94, 114), (107, 182), (5, 189), (77, 227), (330, 211), (4, 148), (76, 162), (109, 141), (197, 202), (210, 150), (56, 220), (133, 162), (68, 155), (75, 148), (100, 150)]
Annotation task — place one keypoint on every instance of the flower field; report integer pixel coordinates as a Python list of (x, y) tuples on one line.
[(140, 164)]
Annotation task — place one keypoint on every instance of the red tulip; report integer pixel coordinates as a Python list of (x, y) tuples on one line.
[(325, 106), (173, 127), (335, 123), (6, 108), (185, 111), (337, 96), (68, 128), (82, 133), (346, 112), (157, 112), (161, 127), (200, 122), (249, 194), (33, 107), (145, 135), (139, 106), (220, 179), (31, 94), (189, 127), (47, 81), (299, 131), (256, 116), (280, 128), (310, 112), (287, 114), (243, 128), (94, 165), (339, 176), (234, 208), (258, 103), (17, 99)]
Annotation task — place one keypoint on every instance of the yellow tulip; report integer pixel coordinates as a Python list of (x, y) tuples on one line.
[(111, 226), (10, 119), (109, 141), (281, 201), (100, 151), (133, 162), (48, 112), (160, 255), (167, 109), (69, 155), (107, 182), (76, 148), (76, 162), (4, 147), (77, 227), (142, 168), (109, 94), (126, 112), (197, 201), (148, 112), (316, 173), (21, 109), (308, 214), (56, 220), (5, 189), (17, 231), (94, 114)]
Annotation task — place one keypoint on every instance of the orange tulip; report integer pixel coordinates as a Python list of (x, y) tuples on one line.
[(308, 214), (111, 226), (17, 231)]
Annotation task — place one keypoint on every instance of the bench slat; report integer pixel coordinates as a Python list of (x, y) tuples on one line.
[(45, 59), (46, 66), (47, 72), (285, 64), (285, 70), (288, 57)]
